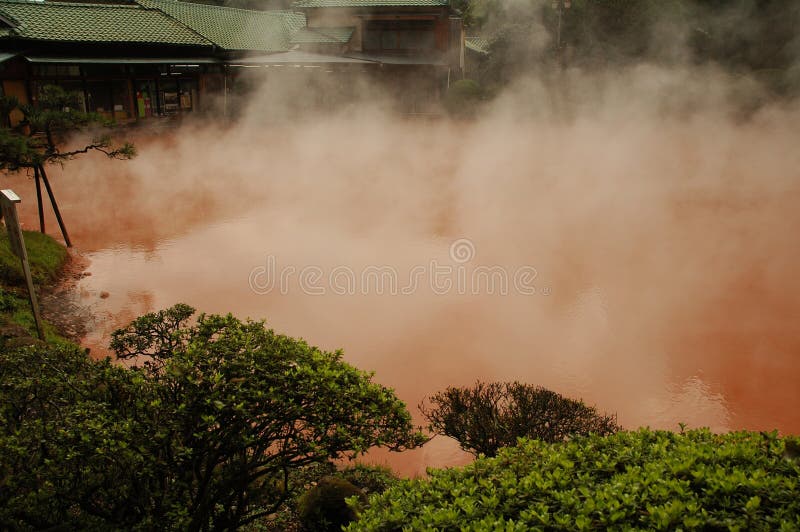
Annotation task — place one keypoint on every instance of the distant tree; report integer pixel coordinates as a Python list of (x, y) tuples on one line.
[(753, 37), (489, 416), (475, 13), (207, 432)]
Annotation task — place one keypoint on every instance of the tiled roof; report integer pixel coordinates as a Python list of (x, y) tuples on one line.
[(323, 35), (477, 44), (94, 23), (370, 3), (234, 29)]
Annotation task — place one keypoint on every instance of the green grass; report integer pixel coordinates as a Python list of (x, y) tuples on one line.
[(45, 255)]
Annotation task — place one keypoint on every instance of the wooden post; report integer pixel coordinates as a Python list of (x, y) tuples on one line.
[(9, 202), (55, 206), (39, 198)]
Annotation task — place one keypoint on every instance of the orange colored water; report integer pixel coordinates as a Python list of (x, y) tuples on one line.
[(666, 254)]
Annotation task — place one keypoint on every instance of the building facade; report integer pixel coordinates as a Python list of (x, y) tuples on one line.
[(164, 58)]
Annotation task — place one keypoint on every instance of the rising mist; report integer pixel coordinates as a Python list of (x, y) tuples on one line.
[(657, 206)]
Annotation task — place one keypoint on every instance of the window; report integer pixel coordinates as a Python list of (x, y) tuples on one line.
[(57, 71), (399, 37)]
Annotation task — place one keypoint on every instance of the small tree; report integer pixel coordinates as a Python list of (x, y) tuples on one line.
[(489, 416), (242, 408), (43, 130), (207, 434)]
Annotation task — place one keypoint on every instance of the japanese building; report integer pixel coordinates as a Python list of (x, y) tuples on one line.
[(148, 58)]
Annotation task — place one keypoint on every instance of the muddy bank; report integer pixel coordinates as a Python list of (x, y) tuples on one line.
[(60, 300)]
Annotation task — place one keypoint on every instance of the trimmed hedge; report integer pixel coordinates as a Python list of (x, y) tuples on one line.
[(647, 479)]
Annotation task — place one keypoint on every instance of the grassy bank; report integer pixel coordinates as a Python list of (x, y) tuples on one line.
[(46, 257)]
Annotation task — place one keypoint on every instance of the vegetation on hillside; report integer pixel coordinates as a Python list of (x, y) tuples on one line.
[(46, 258), (45, 255), (745, 37)]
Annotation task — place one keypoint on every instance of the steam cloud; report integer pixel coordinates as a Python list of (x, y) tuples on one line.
[(660, 215)]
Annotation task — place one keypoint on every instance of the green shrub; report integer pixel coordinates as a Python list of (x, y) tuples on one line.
[(207, 433), (324, 507), (651, 480), (8, 302), (370, 478), (488, 416)]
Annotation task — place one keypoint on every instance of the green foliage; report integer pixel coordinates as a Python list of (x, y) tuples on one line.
[(324, 507), (45, 255), (488, 416), (475, 13), (207, 433), (44, 127), (370, 478), (68, 441), (743, 36), (8, 302), (645, 480)]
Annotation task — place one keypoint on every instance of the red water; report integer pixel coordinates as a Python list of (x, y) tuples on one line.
[(666, 253)]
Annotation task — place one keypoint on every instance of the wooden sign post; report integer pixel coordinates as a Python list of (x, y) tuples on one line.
[(8, 201)]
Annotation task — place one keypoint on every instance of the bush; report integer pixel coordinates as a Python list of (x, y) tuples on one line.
[(651, 480), (486, 417), (209, 433), (324, 507), (371, 479)]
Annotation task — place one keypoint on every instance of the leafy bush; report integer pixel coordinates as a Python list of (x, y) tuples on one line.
[(8, 302), (486, 417), (370, 478), (69, 441), (208, 434), (651, 480), (324, 507)]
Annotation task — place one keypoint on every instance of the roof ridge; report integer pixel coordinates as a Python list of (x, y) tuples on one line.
[(331, 35), (90, 22), (176, 21), (212, 7), (310, 4), (57, 5), (257, 30)]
